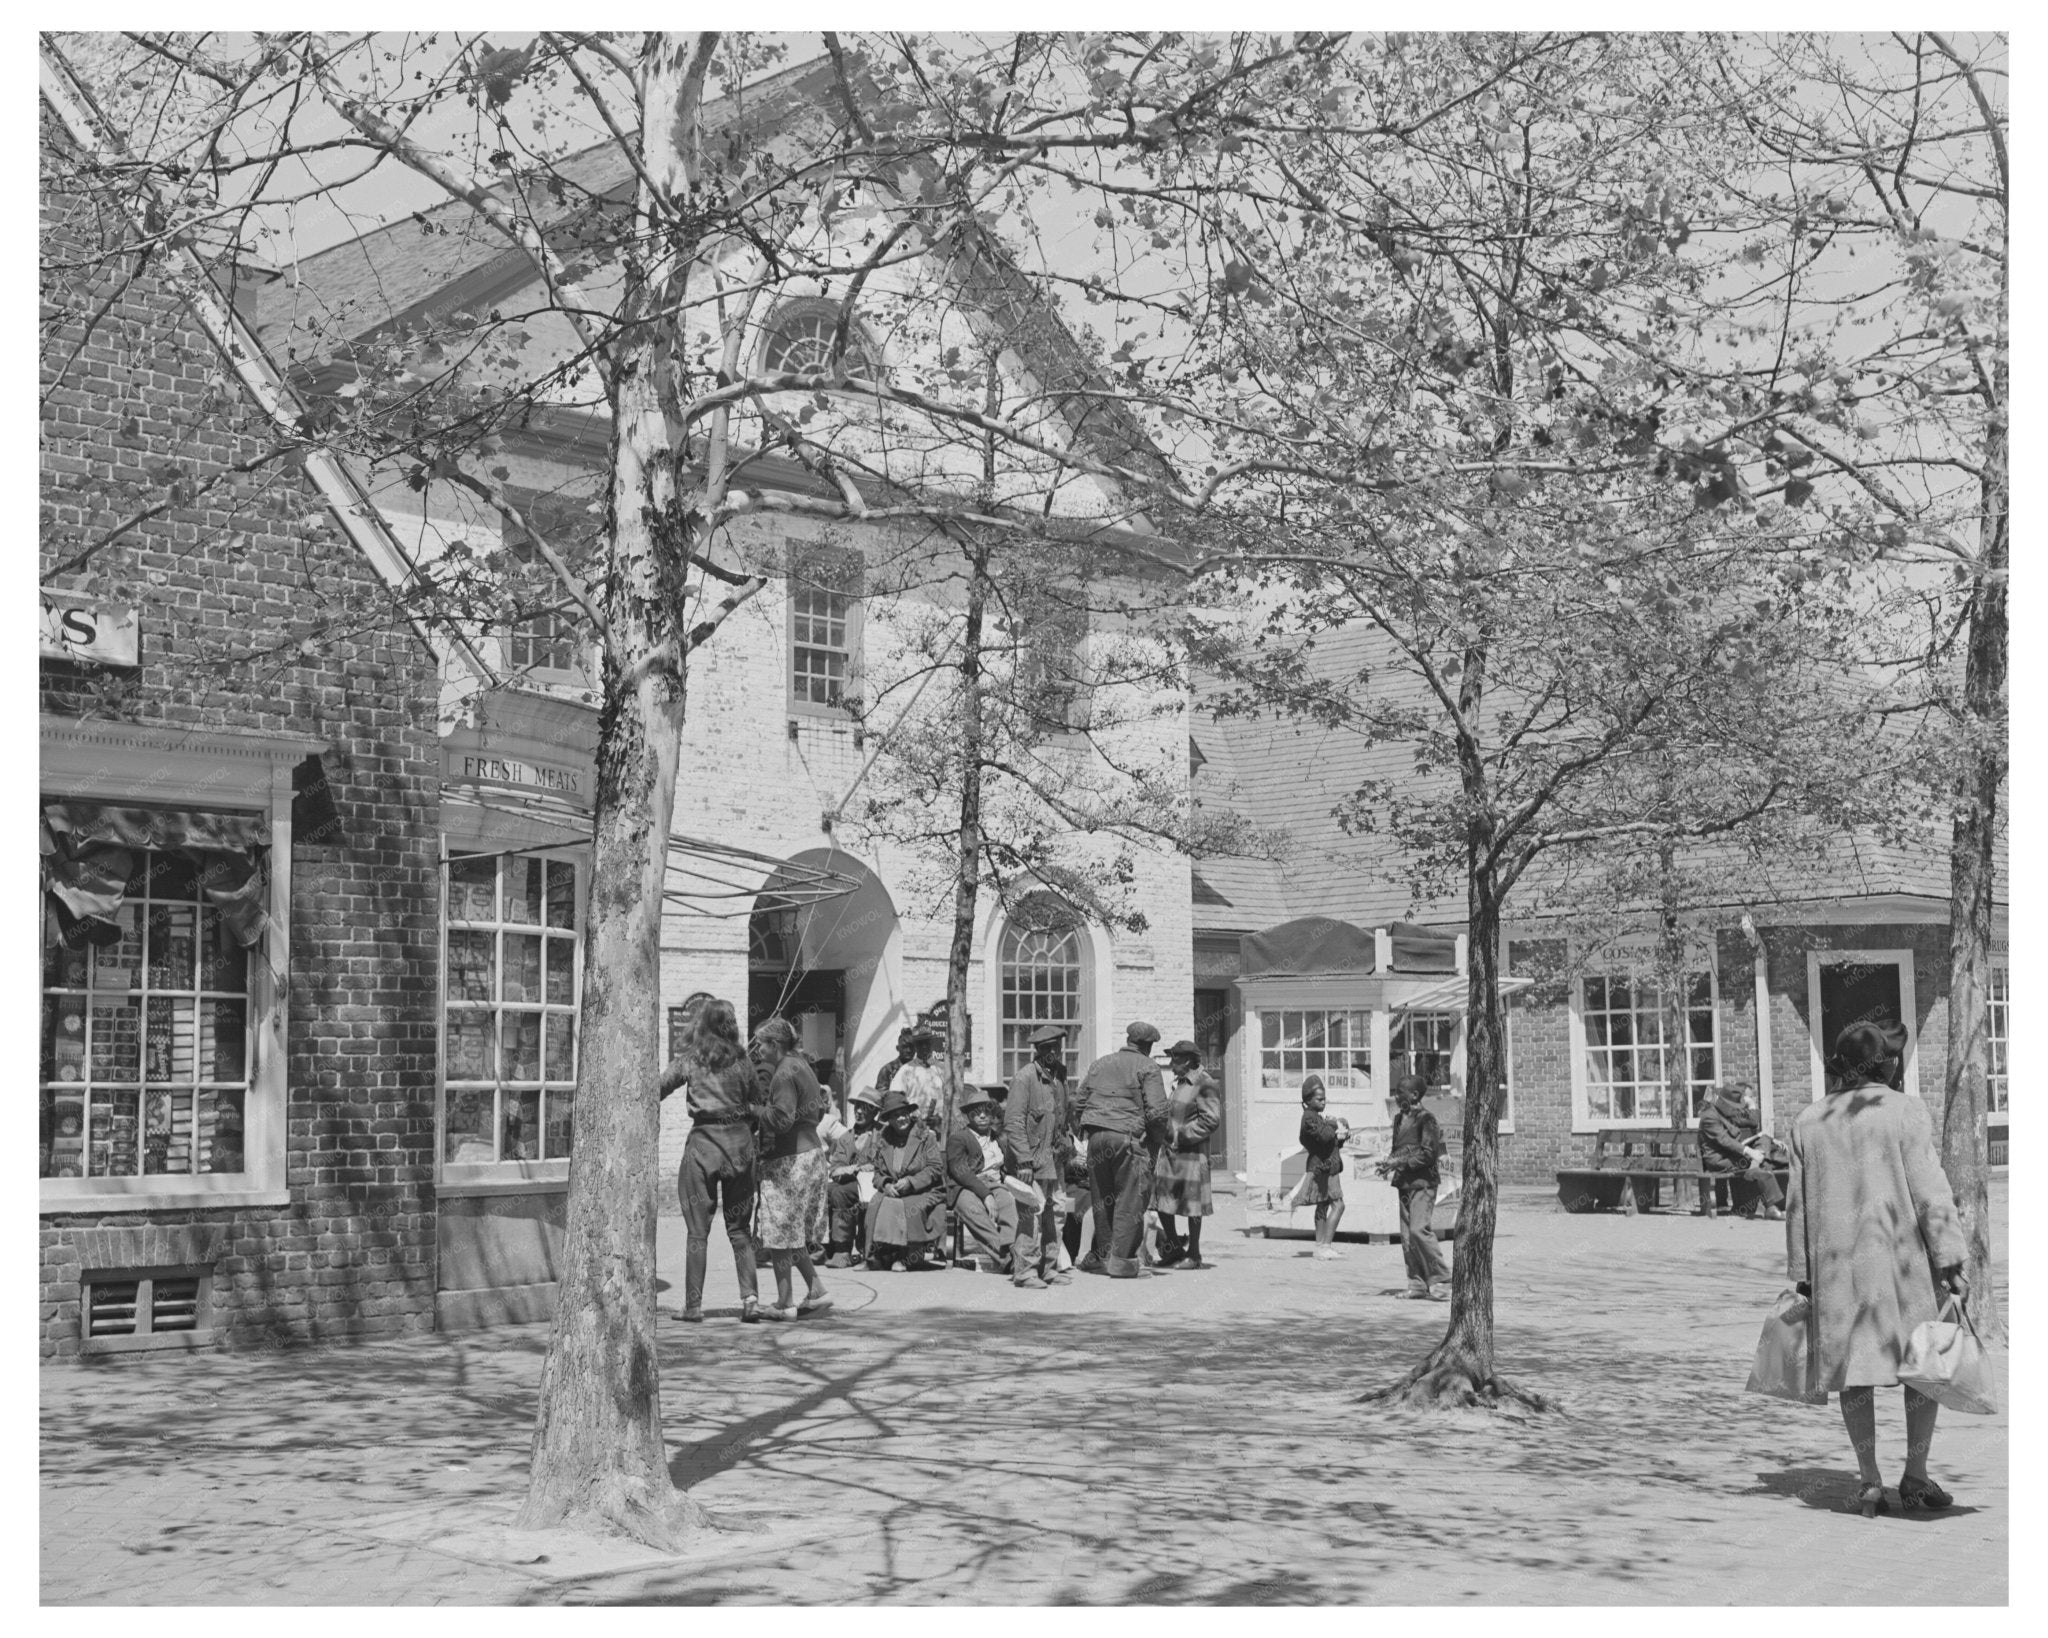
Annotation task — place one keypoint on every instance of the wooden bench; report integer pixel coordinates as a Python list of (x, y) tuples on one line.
[(1630, 1167)]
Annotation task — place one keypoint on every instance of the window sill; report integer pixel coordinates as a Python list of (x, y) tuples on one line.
[(472, 1187), (153, 1342), (94, 1200), (1584, 1127)]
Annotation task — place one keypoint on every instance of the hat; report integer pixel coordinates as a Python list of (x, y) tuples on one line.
[(1141, 1034), (872, 1099), (1313, 1084), (1184, 1049), (971, 1097), (1047, 1033), (922, 1033), (904, 1037), (894, 1103), (1410, 1083)]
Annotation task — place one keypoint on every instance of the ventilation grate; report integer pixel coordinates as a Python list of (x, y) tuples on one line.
[(174, 1304), (125, 1308), (112, 1308)]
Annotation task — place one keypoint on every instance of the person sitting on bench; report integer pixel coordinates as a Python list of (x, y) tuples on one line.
[(977, 1159), (1732, 1148), (906, 1218)]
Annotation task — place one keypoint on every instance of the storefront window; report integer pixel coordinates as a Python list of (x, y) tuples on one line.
[(1296, 1044), (1420, 1043), (1626, 1046), (512, 992), (145, 1034), (1998, 1019)]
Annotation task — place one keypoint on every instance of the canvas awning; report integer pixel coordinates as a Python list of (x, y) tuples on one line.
[(1449, 994), (88, 862), (1311, 946)]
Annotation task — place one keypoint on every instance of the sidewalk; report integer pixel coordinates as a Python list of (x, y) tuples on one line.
[(944, 1438)]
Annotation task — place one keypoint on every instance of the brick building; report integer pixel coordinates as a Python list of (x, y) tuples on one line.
[(239, 972), (1299, 969)]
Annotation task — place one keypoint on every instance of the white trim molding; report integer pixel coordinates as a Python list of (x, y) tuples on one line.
[(1909, 1011)]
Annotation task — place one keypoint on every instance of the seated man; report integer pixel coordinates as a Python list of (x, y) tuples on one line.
[(977, 1157), (906, 1218), (852, 1151), (1731, 1147)]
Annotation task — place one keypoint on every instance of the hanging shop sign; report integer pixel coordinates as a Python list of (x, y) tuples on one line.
[(77, 628), (519, 773), (529, 743)]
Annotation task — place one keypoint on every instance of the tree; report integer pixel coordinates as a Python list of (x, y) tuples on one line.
[(659, 226), (1872, 198)]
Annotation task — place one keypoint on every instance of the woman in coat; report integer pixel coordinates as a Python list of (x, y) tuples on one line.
[(1870, 1231), (906, 1218), (1180, 1173)]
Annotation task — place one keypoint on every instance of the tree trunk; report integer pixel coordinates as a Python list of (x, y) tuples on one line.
[(1972, 856), (1672, 996), (966, 886), (600, 1462), (1460, 1370)]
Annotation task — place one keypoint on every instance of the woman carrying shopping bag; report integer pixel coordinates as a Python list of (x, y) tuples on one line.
[(1870, 1231)]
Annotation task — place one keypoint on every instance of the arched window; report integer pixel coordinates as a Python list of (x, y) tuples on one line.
[(799, 341), (1044, 980)]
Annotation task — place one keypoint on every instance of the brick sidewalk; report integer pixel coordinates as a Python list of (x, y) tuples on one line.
[(1190, 1438)]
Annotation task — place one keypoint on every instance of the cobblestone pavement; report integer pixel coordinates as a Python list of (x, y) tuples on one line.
[(1191, 1438)]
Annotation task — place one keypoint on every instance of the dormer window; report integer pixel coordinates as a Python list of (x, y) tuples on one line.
[(799, 342)]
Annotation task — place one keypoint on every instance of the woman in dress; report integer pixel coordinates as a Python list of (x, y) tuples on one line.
[(795, 1170), (1180, 1174), (1870, 1233)]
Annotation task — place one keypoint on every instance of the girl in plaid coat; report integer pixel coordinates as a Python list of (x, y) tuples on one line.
[(1180, 1172)]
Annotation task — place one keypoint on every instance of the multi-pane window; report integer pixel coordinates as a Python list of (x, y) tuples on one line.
[(1295, 1044), (546, 640), (824, 589), (800, 342), (1997, 1024), (1420, 1043), (145, 1039), (1041, 984), (1628, 1051), (1051, 680), (512, 992)]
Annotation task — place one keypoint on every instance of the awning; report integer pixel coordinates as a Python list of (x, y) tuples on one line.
[(705, 877), (1311, 946), (88, 861), (1449, 994)]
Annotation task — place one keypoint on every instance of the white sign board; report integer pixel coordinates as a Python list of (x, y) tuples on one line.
[(76, 628)]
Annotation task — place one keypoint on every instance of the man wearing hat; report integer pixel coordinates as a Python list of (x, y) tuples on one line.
[(922, 1081), (1411, 1166), (977, 1160), (1035, 1124), (906, 1218), (1180, 1175), (851, 1150), (1121, 1110)]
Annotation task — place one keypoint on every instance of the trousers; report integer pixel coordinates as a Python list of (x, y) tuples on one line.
[(1419, 1250), (1000, 1224), (718, 1164), (848, 1223), (1120, 1179)]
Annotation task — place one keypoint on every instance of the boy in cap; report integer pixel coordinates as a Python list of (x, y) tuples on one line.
[(1035, 1125), (976, 1161), (1411, 1166), (1121, 1111)]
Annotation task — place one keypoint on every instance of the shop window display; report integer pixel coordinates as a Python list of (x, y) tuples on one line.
[(512, 990), (145, 1034)]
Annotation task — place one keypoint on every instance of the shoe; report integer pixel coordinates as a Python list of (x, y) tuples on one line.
[(1924, 1494), (839, 1259), (1059, 1276), (1127, 1268), (1431, 1294), (750, 1311), (694, 1315), (1091, 1264), (1418, 1291), (814, 1305), (1192, 1265), (1773, 1214), (1027, 1281), (1870, 1500), (1326, 1254)]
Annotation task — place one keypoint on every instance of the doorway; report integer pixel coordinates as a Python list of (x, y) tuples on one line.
[(1847, 987), (1212, 1040)]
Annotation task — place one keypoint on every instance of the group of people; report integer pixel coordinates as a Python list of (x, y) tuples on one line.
[(1411, 1165), (1019, 1172)]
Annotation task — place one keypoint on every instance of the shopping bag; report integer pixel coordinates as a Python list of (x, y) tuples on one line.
[(1946, 1362), (1784, 1356)]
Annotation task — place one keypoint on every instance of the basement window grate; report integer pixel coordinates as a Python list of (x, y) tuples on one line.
[(135, 1308)]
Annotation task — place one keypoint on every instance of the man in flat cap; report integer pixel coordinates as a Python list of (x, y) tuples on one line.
[(1036, 1125), (1121, 1110)]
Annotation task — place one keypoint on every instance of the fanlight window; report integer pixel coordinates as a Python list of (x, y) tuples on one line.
[(800, 343)]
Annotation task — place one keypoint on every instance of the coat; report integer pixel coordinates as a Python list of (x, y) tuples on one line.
[(963, 1163), (921, 1214), (1869, 1220), (1035, 1123), (1724, 1128), (1122, 1092), (1180, 1174)]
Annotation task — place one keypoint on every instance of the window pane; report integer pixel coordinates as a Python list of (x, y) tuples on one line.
[(223, 964), (522, 967), (473, 889), (524, 885), (167, 1054), (170, 876), (521, 1137), (561, 1034), (115, 1026), (224, 1041), (115, 1129), (227, 1112), (173, 931), (64, 1038), (117, 967), (561, 1107), (1269, 1031), (63, 967), (561, 971), (561, 894), (522, 1046), (472, 1046), (166, 1132), (468, 1126), (472, 966)]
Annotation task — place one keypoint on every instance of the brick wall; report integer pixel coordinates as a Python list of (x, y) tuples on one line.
[(259, 615)]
